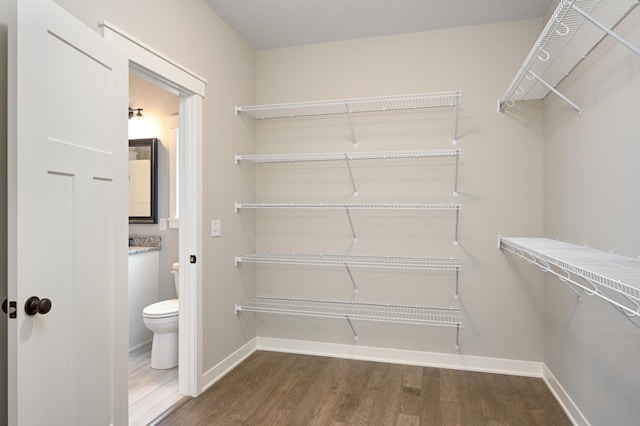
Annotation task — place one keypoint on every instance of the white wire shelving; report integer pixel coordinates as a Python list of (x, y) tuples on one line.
[(385, 262), (420, 315), (349, 207), (348, 157), (348, 107), (357, 261), (591, 270), (574, 29)]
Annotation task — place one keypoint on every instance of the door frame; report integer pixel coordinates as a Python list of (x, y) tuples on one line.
[(157, 68)]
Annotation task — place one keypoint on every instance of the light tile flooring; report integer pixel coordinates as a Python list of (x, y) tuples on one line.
[(151, 392)]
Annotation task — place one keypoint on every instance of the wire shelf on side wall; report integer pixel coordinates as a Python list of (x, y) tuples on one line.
[(572, 32), (589, 269)]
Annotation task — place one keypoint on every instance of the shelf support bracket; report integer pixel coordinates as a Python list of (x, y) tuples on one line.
[(353, 230), (457, 295), (607, 30), (457, 346), (455, 177), (353, 281), (353, 132), (455, 236), (355, 333), (455, 119), (554, 90), (353, 182)]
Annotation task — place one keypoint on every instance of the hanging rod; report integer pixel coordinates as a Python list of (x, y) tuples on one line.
[(575, 28), (352, 105), (596, 269)]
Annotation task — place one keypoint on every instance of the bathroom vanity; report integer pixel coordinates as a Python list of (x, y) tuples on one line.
[(143, 290)]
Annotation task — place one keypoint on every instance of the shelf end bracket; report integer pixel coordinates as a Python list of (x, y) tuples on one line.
[(353, 230), (355, 333), (531, 75), (353, 132)]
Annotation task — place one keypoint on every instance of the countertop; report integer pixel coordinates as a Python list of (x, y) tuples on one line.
[(136, 250)]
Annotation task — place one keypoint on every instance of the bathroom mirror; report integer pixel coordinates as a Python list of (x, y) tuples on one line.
[(143, 176)]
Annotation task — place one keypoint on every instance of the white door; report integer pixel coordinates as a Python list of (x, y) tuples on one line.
[(67, 155)]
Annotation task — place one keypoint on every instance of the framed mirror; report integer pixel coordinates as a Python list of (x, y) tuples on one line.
[(143, 181)]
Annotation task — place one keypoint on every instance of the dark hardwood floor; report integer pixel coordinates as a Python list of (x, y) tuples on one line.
[(271, 388)]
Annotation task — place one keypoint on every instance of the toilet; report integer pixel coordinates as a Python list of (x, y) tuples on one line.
[(162, 319)]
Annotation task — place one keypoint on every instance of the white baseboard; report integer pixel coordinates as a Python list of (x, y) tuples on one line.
[(218, 371), (395, 356), (569, 407), (142, 347)]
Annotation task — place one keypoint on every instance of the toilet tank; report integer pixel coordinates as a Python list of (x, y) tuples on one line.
[(176, 276)]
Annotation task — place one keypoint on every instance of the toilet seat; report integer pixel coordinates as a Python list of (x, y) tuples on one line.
[(163, 309)]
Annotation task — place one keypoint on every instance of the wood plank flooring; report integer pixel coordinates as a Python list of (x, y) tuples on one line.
[(151, 391), (271, 388)]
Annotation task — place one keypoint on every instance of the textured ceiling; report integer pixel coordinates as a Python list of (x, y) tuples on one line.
[(268, 24)]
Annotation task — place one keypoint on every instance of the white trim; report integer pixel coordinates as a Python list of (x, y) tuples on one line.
[(151, 59), (397, 356), (219, 370), (563, 398), (161, 70), (190, 322)]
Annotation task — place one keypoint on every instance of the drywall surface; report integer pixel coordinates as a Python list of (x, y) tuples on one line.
[(192, 35), (500, 188), (591, 198)]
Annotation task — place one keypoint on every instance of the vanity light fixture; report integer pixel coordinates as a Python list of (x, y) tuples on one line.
[(137, 114)]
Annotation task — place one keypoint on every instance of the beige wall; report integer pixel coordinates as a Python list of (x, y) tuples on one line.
[(191, 34), (591, 197), (500, 187)]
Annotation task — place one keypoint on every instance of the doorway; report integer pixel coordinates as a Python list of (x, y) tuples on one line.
[(156, 68), (151, 279)]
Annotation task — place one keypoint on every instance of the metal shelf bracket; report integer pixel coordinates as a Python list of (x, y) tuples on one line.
[(355, 333), (353, 182), (531, 75), (353, 230), (353, 132)]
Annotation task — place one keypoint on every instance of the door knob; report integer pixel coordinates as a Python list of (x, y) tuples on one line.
[(35, 305)]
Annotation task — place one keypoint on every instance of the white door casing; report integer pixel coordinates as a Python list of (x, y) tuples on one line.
[(67, 219), (154, 66)]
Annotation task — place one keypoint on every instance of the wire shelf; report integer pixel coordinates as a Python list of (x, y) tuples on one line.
[(353, 105), (618, 273), (565, 41), (342, 156), (445, 317), (348, 206), (384, 262)]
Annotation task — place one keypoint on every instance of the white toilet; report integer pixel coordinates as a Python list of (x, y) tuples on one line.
[(162, 319)]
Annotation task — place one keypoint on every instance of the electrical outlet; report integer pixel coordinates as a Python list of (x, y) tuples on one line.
[(216, 228)]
